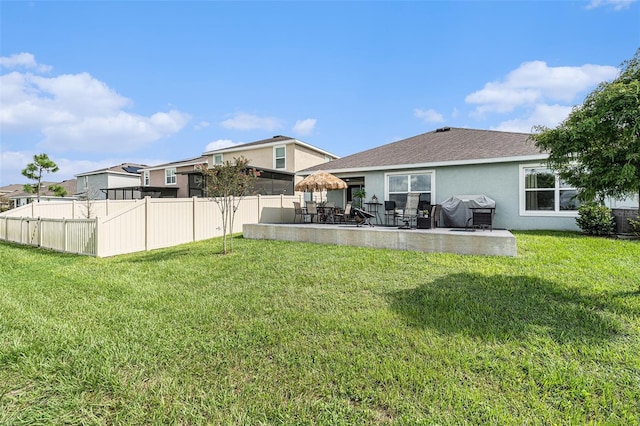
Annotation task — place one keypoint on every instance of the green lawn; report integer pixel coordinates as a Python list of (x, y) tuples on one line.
[(297, 333)]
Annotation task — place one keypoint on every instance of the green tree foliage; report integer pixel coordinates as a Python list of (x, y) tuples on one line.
[(227, 184), (58, 190), (597, 148), (41, 164)]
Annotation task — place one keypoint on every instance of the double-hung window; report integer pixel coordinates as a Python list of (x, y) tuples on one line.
[(217, 159), (145, 178), (279, 157), (400, 184), (170, 176), (543, 192)]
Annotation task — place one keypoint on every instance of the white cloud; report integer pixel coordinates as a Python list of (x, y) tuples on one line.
[(78, 112), (244, 121), (542, 115), (219, 144), (535, 82), (23, 60), (617, 4), (429, 115), (202, 125), (120, 132), (305, 127)]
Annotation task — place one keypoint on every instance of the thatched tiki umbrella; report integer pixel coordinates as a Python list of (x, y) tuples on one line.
[(320, 180)]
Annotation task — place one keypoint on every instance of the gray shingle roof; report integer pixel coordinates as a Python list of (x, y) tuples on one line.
[(120, 168), (449, 144), (188, 161), (270, 141), (70, 185)]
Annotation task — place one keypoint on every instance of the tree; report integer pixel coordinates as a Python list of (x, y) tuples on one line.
[(41, 164), (58, 190), (597, 148), (88, 199), (228, 183)]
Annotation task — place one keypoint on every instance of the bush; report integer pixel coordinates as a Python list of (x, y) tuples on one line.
[(595, 219), (635, 226)]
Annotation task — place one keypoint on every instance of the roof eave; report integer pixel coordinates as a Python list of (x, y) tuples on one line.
[(534, 157), (239, 148)]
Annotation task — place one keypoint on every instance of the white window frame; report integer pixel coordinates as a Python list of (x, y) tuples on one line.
[(409, 173), (549, 213), (215, 159), (146, 179), (276, 158), (170, 177)]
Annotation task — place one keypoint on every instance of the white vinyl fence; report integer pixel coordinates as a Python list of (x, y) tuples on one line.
[(129, 226)]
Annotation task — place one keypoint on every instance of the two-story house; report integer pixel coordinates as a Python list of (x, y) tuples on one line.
[(277, 158), (120, 182)]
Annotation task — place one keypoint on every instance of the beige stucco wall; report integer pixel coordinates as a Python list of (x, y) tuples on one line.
[(157, 178), (305, 158), (297, 157)]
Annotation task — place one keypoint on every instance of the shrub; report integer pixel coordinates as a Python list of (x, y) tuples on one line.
[(635, 226), (595, 219)]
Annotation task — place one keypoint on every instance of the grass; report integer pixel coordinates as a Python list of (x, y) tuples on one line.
[(293, 333)]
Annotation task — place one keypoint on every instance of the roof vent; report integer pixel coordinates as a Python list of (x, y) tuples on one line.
[(443, 129)]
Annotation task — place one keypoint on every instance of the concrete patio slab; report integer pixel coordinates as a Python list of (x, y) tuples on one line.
[(439, 240)]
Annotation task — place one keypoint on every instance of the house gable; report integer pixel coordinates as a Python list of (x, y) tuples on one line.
[(267, 153)]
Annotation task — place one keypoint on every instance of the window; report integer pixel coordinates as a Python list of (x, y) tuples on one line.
[(170, 176), (399, 185), (217, 159), (544, 192), (280, 153), (145, 178)]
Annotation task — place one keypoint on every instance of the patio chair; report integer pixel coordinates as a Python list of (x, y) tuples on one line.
[(327, 212), (363, 217), (390, 212), (410, 212), (312, 210), (298, 210), (435, 215), (346, 215)]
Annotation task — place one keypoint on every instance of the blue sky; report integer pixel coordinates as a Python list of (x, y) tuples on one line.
[(94, 84)]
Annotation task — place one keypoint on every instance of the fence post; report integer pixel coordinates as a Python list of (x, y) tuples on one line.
[(259, 208), (39, 232), (281, 208), (147, 213), (64, 235), (96, 233), (193, 218)]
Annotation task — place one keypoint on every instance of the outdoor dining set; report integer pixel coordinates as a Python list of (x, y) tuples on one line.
[(414, 215), (417, 212)]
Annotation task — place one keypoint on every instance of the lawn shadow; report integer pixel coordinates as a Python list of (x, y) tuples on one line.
[(504, 307)]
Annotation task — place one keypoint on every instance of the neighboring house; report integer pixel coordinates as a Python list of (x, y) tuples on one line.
[(504, 166), (181, 179), (121, 182), (277, 159), (8, 191), (21, 197)]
